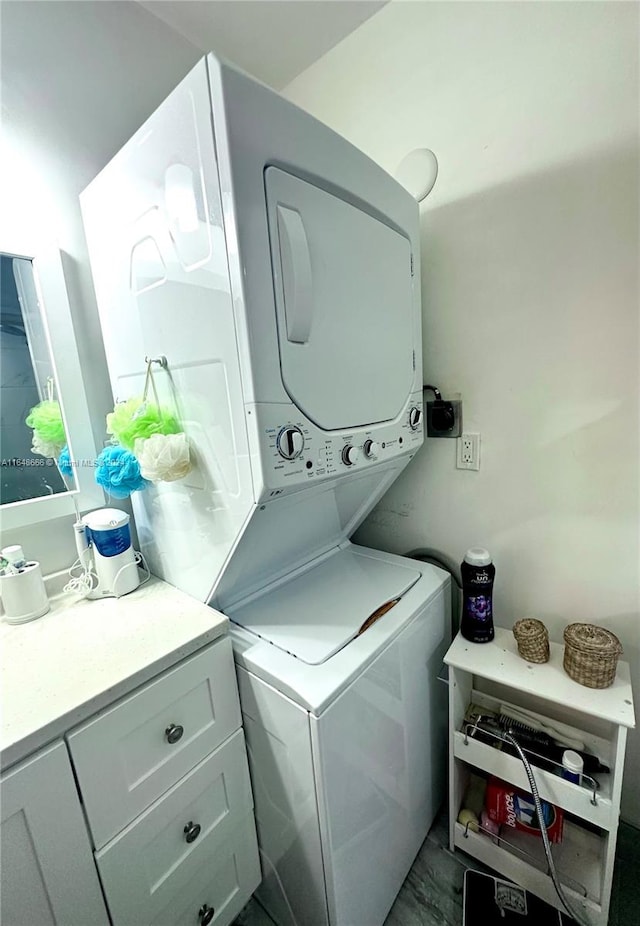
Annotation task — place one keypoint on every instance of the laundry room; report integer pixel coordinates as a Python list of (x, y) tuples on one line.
[(315, 313)]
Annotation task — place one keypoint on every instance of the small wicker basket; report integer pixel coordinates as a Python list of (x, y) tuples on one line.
[(591, 655), (532, 638)]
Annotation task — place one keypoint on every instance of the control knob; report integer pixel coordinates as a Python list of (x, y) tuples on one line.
[(349, 454), (415, 417), (371, 449), (290, 443)]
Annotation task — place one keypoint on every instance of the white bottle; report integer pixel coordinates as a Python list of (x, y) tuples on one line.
[(572, 766)]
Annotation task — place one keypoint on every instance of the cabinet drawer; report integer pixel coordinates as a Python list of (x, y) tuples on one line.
[(151, 868), (128, 755), (225, 882)]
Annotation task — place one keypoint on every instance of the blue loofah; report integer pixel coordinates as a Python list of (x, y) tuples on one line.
[(64, 462), (118, 472)]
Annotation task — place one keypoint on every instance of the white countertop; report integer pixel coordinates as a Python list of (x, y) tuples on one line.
[(499, 661), (60, 669)]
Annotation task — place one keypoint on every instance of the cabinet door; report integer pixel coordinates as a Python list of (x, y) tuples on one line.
[(48, 872)]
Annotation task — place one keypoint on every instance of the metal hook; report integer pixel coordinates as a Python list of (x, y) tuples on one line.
[(161, 360)]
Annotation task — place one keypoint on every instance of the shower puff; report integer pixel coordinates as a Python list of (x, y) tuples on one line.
[(64, 462), (138, 419), (164, 457), (46, 421), (42, 447), (118, 472)]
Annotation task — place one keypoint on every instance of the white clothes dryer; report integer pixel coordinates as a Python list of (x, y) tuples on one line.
[(275, 271)]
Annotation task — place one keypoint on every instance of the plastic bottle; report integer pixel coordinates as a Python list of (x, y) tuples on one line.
[(478, 573), (572, 766)]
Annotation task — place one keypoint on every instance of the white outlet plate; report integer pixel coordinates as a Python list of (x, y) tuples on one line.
[(468, 451)]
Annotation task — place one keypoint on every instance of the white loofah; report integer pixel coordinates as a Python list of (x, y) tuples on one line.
[(163, 457), (43, 447)]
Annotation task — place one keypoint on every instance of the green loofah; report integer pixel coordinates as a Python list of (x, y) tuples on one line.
[(46, 419), (136, 418)]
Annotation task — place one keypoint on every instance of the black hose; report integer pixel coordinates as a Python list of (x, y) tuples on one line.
[(440, 559)]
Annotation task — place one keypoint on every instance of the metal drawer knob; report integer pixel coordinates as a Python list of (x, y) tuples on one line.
[(174, 732), (206, 914), (192, 831)]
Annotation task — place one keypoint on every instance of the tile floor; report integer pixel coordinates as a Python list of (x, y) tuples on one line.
[(432, 892)]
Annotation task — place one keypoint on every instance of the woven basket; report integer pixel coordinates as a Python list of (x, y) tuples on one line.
[(591, 655), (532, 639)]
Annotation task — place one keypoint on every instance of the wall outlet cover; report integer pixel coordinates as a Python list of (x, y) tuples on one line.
[(468, 451)]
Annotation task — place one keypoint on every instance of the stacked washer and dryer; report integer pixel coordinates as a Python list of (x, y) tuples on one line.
[(277, 270)]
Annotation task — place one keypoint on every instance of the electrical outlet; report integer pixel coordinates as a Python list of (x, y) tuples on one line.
[(444, 418), (468, 456)]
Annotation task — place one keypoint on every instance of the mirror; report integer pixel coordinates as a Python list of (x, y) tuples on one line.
[(39, 363), (27, 470)]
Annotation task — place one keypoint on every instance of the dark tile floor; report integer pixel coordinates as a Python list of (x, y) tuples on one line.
[(432, 892), (625, 895)]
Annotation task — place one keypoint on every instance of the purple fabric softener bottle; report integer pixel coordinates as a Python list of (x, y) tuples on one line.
[(478, 573)]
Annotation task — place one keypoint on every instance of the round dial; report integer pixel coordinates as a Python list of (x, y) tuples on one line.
[(415, 417), (349, 455), (290, 443), (371, 449)]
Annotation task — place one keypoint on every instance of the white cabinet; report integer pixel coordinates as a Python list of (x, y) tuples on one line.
[(48, 874), (169, 836), (493, 675), (165, 783)]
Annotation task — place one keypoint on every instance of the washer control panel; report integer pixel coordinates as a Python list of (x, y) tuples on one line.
[(415, 417), (350, 454), (290, 442), (295, 452)]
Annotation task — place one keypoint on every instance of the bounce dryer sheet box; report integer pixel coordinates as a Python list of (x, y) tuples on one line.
[(506, 805)]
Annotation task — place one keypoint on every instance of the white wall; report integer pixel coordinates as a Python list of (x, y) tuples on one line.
[(78, 78), (530, 290), (529, 260)]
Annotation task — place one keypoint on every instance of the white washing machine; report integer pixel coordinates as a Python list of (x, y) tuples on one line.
[(274, 270), (346, 733)]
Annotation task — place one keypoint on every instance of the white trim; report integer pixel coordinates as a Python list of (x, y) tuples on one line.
[(56, 315)]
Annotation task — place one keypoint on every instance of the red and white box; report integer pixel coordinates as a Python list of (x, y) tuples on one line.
[(508, 806)]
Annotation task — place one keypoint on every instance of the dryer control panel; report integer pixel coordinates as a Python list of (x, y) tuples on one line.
[(294, 452)]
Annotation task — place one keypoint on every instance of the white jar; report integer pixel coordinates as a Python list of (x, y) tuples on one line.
[(24, 596), (572, 766)]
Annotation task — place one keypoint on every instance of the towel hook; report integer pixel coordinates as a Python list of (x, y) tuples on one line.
[(161, 360)]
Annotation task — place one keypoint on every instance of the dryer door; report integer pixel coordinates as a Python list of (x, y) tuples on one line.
[(344, 301)]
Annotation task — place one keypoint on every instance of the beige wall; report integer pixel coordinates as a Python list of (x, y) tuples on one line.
[(530, 290)]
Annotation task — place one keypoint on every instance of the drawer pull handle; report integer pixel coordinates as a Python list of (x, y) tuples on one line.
[(174, 732), (206, 914), (192, 831)]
